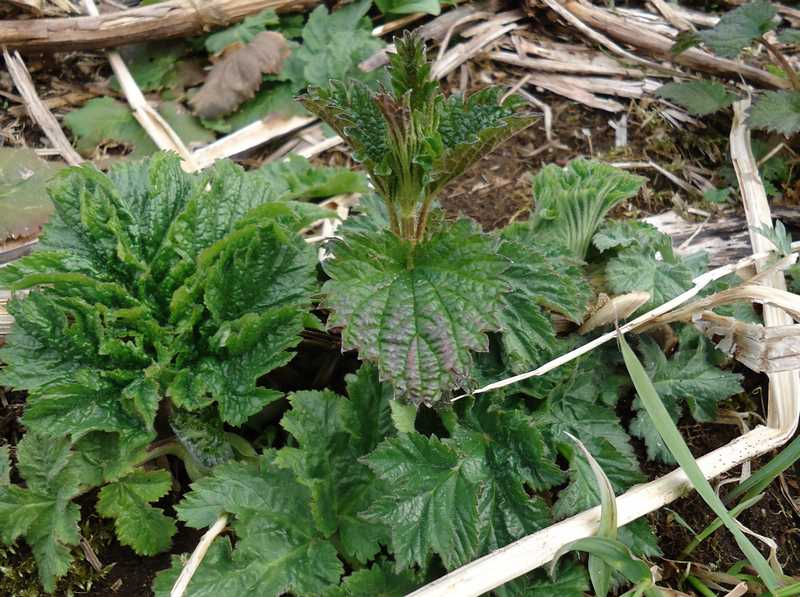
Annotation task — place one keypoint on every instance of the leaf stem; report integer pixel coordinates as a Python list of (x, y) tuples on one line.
[(783, 62)]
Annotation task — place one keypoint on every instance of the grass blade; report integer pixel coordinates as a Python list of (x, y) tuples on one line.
[(680, 451), (761, 479)]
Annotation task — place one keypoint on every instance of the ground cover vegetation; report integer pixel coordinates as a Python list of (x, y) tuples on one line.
[(162, 304)]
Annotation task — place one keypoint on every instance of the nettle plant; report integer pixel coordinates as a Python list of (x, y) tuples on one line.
[(737, 31), (161, 301)]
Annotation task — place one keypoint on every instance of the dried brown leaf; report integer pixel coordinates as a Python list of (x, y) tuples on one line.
[(237, 77)]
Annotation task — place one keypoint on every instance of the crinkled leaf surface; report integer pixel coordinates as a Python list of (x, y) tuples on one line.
[(621, 234), (634, 270), (776, 111), (571, 580), (571, 202), (278, 547), (698, 97), (138, 524), (43, 512), (378, 581), (466, 495), (688, 378), (333, 433), (99, 346), (416, 310), (537, 278)]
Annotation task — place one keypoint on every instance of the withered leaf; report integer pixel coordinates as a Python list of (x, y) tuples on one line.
[(237, 76)]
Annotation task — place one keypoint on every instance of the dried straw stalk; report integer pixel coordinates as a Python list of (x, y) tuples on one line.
[(173, 18)]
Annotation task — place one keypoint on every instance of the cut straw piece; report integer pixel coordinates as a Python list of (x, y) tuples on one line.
[(784, 387), (156, 127)]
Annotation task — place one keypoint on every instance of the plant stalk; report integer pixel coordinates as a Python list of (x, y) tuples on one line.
[(783, 62)]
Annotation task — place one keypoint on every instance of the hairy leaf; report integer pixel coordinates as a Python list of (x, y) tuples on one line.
[(632, 270), (777, 111), (537, 278), (464, 496), (378, 581), (621, 234), (237, 75), (416, 310), (572, 202), (101, 345), (279, 548), (698, 97), (138, 524), (738, 28), (43, 512), (690, 377), (156, 65)]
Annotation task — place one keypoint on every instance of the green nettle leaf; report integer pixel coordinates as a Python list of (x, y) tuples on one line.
[(698, 97), (739, 28), (689, 378), (777, 111), (466, 495), (410, 138), (150, 284), (99, 348), (570, 580), (621, 234), (43, 512), (243, 32), (296, 178), (106, 119), (417, 310), (789, 36), (378, 581), (633, 270), (292, 506), (430, 503), (279, 548), (539, 278), (145, 528), (155, 65), (571, 202), (334, 43)]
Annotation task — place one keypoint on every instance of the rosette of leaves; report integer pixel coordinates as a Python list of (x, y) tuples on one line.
[(158, 300), (412, 292)]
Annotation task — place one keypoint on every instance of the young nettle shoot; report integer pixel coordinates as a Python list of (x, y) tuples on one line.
[(411, 139)]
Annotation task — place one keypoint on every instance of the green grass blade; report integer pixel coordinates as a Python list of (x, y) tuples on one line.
[(680, 451), (761, 479)]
